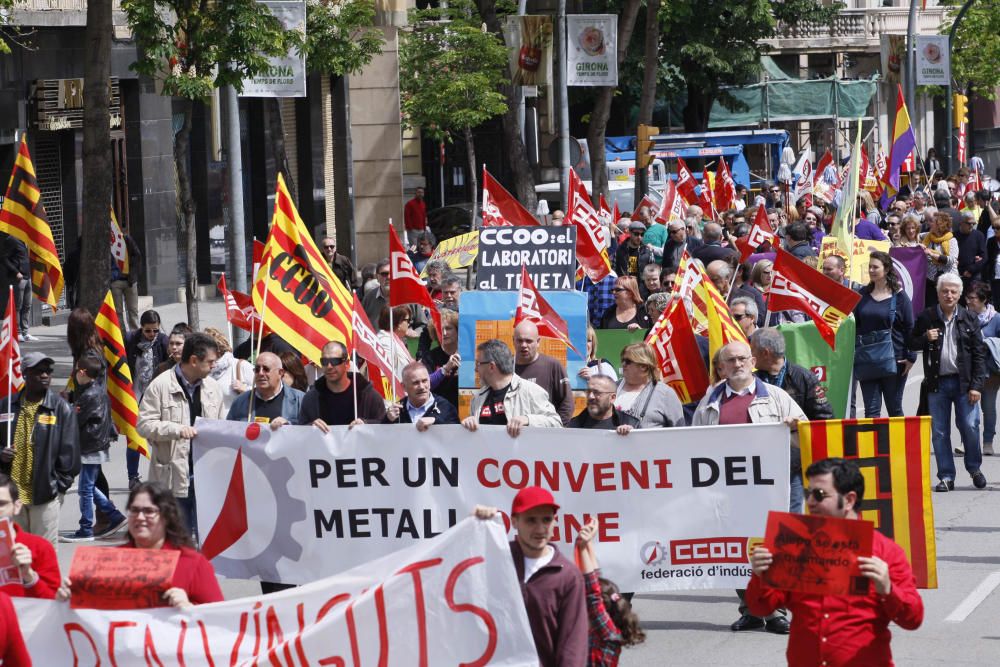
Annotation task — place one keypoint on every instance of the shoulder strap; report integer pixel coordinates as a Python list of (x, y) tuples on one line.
[(892, 310), (649, 397)]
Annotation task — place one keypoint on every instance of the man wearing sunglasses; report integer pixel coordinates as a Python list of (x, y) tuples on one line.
[(339, 264), (633, 254), (330, 402), (270, 401), (834, 630)]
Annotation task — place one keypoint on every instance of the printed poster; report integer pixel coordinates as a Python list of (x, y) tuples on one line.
[(592, 50)]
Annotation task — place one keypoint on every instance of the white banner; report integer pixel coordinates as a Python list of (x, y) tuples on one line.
[(286, 75), (394, 611), (592, 50), (933, 64), (677, 507)]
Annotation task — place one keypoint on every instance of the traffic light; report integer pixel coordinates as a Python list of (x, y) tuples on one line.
[(960, 109), (644, 145)]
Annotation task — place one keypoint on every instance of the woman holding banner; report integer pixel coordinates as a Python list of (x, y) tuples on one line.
[(642, 394), (154, 522)]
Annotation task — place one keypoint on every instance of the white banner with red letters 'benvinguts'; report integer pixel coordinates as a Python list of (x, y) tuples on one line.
[(446, 602), (677, 507)]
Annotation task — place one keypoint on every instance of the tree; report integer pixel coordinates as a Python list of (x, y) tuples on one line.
[(718, 43), (451, 72), (97, 164), (976, 49), (193, 47)]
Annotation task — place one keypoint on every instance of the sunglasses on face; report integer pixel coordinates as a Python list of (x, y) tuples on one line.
[(741, 316), (329, 247), (384, 274), (331, 361), (819, 495)]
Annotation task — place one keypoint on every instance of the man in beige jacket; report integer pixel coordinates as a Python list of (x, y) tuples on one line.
[(172, 402), (505, 398)]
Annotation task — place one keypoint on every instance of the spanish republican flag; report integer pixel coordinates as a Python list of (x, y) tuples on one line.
[(121, 395), (23, 217), (894, 457), (295, 292)]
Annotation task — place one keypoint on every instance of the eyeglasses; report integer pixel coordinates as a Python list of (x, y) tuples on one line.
[(674, 231), (384, 274), (741, 316), (148, 512), (737, 360), (483, 363), (331, 361), (263, 369), (329, 247), (636, 233), (618, 289), (626, 362), (594, 392), (819, 495)]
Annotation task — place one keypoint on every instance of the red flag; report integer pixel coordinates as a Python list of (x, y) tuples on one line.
[(405, 285), (366, 344), (10, 352), (797, 286), (672, 206), (673, 341), (761, 232), (500, 208), (685, 182), (591, 246), (239, 309), (646, 201), (533, 307), (615, 214), (705, 199), (725, 186)]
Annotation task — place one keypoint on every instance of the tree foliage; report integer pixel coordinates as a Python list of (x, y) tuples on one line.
[(451, 70), (340, 35), (976, 50)]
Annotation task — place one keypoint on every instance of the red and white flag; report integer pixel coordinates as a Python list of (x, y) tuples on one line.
[(240, 311), (804, 181), (119, 249), (646, 201), (366, 344), (591, 245), (761, 232), (686, 182), (532, 306), (11, 380), (705, 198), (405, 285), (880, 163), (962, 154), (797, 286), (673, 341), (826, 185), (500, 208), (672, 206), (725, 186)]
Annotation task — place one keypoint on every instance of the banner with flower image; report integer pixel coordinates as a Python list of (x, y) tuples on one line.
[(592, 50)]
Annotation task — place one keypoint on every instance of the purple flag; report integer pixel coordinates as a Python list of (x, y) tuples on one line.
[(911, 265)]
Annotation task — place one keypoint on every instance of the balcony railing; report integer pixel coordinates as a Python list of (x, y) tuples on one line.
[(59, 13), (857, 28)]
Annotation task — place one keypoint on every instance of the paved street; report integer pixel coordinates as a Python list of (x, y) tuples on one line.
[(693, 629)]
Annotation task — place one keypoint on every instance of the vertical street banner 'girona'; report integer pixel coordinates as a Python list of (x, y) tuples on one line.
[(454, 600), (306, 304), (894, 456)]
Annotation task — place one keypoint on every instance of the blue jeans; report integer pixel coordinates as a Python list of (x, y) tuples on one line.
[(797, 497), (132, 462), (91, 495), (989, 402), (940, 402), (891, 387)]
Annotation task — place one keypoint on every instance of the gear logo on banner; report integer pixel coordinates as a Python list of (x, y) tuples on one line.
[(652, 553)]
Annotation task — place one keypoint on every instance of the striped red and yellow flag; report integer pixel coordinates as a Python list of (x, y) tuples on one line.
[(124, 407), (305, 304), (709, 313), (23, 217), (894, 457)]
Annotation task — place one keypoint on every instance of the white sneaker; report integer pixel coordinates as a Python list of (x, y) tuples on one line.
[(988, 449), (29, 337)]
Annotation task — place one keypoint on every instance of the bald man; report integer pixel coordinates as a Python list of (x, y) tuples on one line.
[(542, 369), (270, 401), (712, 248)]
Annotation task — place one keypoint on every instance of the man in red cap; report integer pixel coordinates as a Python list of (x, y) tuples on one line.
[(551, 585)]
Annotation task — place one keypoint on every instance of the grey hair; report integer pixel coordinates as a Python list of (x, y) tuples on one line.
[(770, 340), (650, 269), (438, 265), (452, 279), (412, 367), (607, 379), (712, 232), (496, 351), (970, 216), (949, 279), (658, 300), (748, 303)]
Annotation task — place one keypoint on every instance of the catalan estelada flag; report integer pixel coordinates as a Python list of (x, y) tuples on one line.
[(121, 395), (305, 304), (23, 217), (903, 143), (894, 457)]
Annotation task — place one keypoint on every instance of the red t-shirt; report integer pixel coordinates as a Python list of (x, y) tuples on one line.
[(415, 215), (194, 574), (43, 561)]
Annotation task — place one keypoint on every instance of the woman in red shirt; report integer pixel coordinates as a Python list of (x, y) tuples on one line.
[(154, 522)]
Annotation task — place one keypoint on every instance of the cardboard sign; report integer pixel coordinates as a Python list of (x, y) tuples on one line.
[(9, 574), (458, 251), (862, 250), (114, 578), (549, 253), (817, 555)]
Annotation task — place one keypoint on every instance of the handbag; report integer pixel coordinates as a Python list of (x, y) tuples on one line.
[(874, 355)]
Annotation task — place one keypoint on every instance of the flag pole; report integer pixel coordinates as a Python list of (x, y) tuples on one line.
[(354, 385), (392, 330), (10, 363)]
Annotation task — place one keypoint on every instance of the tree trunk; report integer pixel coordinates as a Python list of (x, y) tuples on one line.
[(602, 107), (272, 108), (185, 200), (97, 165), (699, 106), (517, 154), (651, 66), (470, 153)]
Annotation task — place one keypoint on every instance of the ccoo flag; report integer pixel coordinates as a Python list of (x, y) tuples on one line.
[(121, 395), (23, 217), (119, 247), (894, 456), (305, 304)]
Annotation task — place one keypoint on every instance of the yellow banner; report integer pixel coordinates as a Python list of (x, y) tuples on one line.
[(458, 251), (858, 265)]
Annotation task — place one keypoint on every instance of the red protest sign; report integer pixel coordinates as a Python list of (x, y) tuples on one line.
[(817, 555), (9, 574), (115, 578)]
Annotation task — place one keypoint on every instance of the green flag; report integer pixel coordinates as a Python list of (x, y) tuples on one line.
[(805, 347), (843, 224)]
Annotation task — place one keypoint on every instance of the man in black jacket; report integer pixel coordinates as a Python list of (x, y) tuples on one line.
[(971, 251), (601, 412), (954, 373), (420, 406), (767, 346), (93, 416), (45, 434), (330, 401), (633, 255)]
